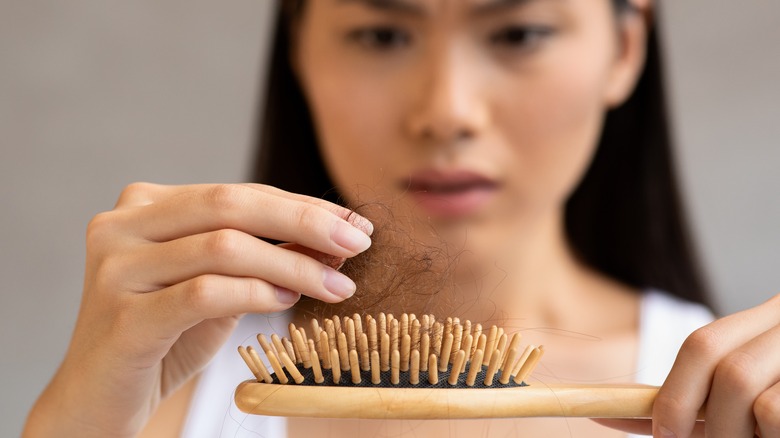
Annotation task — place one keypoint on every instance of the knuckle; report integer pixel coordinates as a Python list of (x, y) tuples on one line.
[(223, 244), (766, 409), (738, 370), (135, 192), (225, 198), (299, 268), (99, 227), (307, 217), (200, 292), (704, 342), (257, 297), (666, 405)]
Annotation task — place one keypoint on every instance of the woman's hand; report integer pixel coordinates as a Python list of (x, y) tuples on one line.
[(168, 272), (733, 366)]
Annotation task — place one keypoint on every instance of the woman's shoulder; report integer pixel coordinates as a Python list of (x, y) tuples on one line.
[(665, 322)]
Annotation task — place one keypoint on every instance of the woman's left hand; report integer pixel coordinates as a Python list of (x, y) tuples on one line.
[(731, 368)]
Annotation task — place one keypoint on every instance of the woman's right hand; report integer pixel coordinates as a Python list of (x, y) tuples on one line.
[(168, 273)]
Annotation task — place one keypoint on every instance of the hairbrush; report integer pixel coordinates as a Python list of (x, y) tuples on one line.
[(410, 368)]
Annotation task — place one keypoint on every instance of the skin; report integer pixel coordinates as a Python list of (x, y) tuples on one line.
[(174, 266)]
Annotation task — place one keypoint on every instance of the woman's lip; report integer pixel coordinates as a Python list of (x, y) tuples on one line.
[(450, 195)]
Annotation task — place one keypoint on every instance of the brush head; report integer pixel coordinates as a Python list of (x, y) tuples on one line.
[(385, 351)]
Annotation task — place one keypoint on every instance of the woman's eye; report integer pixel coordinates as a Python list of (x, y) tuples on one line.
[(521, 37), (380, 37)]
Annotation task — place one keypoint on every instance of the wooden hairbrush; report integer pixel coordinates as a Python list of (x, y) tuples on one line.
[(412, 368)]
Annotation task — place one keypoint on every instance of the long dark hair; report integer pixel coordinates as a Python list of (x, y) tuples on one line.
[(625, 219)]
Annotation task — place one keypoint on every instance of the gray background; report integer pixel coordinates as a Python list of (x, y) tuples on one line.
[(97, 94)]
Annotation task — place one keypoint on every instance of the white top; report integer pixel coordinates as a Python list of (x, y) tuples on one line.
[(665, 322)]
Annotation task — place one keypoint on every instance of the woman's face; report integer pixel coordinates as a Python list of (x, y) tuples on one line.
[(474, 116)]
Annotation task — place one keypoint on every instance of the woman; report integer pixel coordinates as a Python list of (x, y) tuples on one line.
[(475, 119)]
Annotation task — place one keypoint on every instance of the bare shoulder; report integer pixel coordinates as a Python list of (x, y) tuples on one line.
[(169, 418)]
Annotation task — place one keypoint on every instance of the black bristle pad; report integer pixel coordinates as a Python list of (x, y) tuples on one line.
[(365, 376)]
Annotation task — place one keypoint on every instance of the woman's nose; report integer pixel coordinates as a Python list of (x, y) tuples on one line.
[(450, 106)]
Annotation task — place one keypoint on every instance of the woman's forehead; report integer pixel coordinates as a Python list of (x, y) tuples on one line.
[(433, 6)]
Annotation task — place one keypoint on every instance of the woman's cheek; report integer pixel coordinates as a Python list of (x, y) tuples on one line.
[(554, 133)]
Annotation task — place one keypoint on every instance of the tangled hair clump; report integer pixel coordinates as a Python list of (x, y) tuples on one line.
[(396, 274)]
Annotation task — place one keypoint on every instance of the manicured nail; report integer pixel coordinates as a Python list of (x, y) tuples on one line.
[(338, 284), (364, 224), (286, 296), (350, 238), (666, 433)]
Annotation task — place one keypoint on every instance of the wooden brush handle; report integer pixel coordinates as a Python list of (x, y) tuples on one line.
[(537, 400)]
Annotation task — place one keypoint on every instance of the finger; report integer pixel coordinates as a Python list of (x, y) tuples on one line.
[(688, 384), (325, 259), (740, 379), (251, 211), (767, 412), (142, 193), (349, 215), (638, 427), (179, 307), (236, 254)]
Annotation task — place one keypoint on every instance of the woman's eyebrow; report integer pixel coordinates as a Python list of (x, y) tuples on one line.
[(398, 6), (498, 6)]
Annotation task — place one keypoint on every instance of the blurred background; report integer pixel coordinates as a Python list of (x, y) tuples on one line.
[(97, 94)]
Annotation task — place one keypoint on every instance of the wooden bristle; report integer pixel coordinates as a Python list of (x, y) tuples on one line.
[(402, 348), (365, 364), (501, 349), (384, 353), (354, 367), (336, 366), (466, 348), (415, 334), (324, 350), (318, 377), (436, 338), (425, 345), (414, 375), (358, 324), (395, 360), (330, 330), (475, 367), (433, 370), (530, 364), (446, 350), (261, 369), (491, 345), (301, 349), (406, 351), (337, 324), (495, 359), (249, 362), (351, 338), (289, 365), (506, 370), (373, 340), (375, 370), (457, 338), (343, 352), (457, 365), (521, 361)]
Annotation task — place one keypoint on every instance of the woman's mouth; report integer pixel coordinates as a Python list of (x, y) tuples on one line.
[(450, 194)]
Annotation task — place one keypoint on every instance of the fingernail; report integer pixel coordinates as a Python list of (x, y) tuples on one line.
[(286, 296), (364, 224), (350, 238), (666, 433), (338, 284)]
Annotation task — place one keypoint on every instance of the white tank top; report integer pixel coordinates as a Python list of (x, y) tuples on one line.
[(665, 322)]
